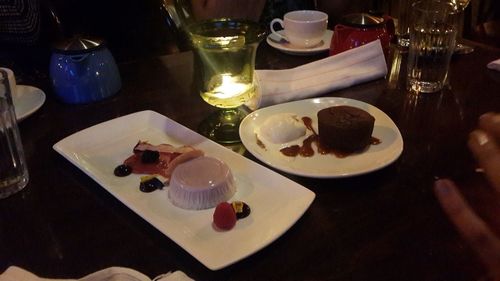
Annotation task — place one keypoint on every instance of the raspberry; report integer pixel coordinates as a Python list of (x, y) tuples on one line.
[(224, 216)]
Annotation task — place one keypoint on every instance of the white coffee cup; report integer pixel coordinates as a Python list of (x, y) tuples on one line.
[(302, 28)]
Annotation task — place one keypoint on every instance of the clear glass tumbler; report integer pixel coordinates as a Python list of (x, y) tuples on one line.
[(402, 27), (433, 30), (13, 169)]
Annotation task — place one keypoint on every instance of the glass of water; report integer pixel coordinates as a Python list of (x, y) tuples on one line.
[(13, 169), (433, 29)]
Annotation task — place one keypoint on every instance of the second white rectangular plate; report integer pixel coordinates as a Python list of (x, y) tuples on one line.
[(276, 202)]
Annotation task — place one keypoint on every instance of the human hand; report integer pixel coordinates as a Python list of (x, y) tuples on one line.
[(484, 142)]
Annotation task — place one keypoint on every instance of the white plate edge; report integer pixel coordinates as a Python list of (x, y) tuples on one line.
[(301, 52), (28, 113)]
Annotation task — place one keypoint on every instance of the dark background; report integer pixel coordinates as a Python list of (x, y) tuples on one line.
[(135, 29)]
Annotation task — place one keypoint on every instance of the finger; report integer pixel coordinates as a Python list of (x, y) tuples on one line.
[(490, 123), (472, 228), (487, 153)]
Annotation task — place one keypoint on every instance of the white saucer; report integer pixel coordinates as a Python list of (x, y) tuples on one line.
[(288, 48), (27, 100)]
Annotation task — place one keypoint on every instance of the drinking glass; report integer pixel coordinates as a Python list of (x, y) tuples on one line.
[(226, 49), (462, 48), (13, 169), (461, 4), (433, 30), (402, 28)]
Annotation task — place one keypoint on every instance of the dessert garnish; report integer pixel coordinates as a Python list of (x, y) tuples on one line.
[(122, 170), (156, 159), (150, 156), (241, 208), (226, 214), (281, 128), (150, 184)]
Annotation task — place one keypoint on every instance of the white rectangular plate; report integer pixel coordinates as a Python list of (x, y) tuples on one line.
[(276, 202)]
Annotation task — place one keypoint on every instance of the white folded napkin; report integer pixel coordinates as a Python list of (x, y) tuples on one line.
[(355, 66), (15, 273), (494, 65)]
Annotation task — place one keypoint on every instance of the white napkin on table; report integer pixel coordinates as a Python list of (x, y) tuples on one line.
[(494, 65), (15, 273), (354, 66)]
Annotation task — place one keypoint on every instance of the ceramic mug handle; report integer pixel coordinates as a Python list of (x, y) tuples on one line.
[(280, 21)]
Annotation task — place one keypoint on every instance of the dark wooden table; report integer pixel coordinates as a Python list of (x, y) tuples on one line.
[(385, 225)]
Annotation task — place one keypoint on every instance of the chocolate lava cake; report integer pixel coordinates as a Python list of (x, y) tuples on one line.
[(345, 128)]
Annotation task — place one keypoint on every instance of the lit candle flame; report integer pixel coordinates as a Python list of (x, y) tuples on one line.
[(230, 87)]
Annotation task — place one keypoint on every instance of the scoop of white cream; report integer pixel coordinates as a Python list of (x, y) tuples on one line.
[(282, 128)]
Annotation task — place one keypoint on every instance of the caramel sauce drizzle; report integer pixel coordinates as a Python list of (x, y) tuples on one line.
[(306, 150), (260, 143)]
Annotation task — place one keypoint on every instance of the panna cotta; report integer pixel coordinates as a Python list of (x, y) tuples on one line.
[(201, 183), (282, 128)]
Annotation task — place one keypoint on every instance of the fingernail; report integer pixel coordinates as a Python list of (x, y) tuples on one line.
[(481, 137), (485, 115), (494, 117), (442, 186)]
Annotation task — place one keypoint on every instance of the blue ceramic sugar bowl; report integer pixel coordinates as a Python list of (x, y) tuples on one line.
[(82, 70)]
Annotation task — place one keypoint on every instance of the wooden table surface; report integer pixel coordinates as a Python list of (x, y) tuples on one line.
[(384, 225)]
